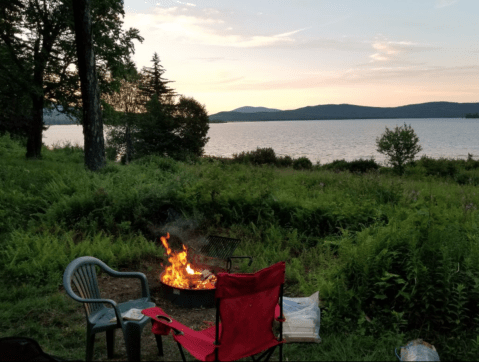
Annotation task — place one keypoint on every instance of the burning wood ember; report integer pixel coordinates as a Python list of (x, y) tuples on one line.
[(181, 274)]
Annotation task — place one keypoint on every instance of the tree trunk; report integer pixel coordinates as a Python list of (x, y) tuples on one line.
[(92, 122), (129, 144), (35, 131)]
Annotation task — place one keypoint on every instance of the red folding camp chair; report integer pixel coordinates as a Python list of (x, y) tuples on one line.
[(246, 305)]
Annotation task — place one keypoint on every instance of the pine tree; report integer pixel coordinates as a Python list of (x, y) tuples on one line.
[(152, 82)]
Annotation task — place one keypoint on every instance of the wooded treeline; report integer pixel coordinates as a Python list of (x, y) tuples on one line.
[(39, 68)]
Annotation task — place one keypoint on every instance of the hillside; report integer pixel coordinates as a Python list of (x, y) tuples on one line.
[(348, 111), (249, 109)]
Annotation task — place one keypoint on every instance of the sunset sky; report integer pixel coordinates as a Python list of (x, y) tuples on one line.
[(295, 53)]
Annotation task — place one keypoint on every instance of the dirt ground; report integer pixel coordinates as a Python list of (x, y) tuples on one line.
[(122, 290)]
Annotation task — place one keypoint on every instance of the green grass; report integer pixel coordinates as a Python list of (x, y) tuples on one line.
[(394, 258)]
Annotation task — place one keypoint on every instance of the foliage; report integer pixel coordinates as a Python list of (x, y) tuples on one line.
[(145, 119), (393, 258), (400, 145), (359, 166), (302, 163), (284, 161), (260, 156), (191, 129), (37, 44), (152, 82)]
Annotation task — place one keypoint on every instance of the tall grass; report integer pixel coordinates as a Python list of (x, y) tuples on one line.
[(393, 258)]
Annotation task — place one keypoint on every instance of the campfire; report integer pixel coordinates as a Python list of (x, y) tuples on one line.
[(181, 273)]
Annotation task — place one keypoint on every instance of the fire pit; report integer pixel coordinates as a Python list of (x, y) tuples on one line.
[(189, 281)]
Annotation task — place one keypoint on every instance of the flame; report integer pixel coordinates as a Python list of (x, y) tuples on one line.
[(180, 273)]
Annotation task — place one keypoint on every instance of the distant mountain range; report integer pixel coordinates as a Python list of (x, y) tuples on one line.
[(249, 109), (349, 111)]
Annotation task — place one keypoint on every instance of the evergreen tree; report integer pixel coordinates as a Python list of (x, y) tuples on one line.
[(152, 82)]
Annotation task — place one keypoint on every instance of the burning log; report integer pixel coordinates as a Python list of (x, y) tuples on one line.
[(181, 274)]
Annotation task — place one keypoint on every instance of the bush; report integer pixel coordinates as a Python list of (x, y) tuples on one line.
[(358, 166), (400, 145), (302, 163), (471, 164), (284, 161), (438, 167), (410, 274), (261, 156), (162, 163), (111, 153)]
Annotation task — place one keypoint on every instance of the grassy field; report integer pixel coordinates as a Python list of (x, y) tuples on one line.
[(394, 258)]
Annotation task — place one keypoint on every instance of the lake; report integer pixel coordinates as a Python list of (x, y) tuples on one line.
[(322, 141)]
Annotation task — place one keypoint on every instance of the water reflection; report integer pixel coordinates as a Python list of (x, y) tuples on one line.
[(322, 141)]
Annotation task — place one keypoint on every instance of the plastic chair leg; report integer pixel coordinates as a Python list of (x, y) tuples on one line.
[(110, 342), (90, 342), (159, 344), (132, 334)]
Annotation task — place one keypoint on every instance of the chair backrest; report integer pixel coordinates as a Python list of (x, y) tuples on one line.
[(246, 308), (81, 273)]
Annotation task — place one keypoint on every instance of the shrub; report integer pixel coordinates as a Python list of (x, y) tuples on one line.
[(410, 274), (111, 153), (358, 166), (471, 164), (284, 161), (302, 163), (439, 167), (400, 145), (261, 156), (362, 166), (162, 163)]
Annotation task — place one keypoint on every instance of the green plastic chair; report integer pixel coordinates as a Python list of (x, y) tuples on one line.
[(81, 273)]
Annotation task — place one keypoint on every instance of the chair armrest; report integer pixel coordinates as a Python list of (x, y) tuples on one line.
[(165, 321), (92, 300)]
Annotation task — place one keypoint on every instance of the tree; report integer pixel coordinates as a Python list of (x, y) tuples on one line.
[(156, 128), (39, 43), (152, 82), (94, 144), (120, 107), (176, 130), (192, 125), (400, 145), (15, 106)]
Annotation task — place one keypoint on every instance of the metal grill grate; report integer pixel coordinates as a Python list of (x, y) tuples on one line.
[(219, 247)]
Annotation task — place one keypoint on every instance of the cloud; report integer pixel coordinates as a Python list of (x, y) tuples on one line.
[(205, 26), (444, 3), (394, 75), (387, 50)]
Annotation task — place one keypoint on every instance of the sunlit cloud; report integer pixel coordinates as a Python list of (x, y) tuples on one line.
[(205, 27), (387, 50)]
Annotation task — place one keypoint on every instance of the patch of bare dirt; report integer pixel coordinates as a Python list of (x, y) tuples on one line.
[(121, 290)]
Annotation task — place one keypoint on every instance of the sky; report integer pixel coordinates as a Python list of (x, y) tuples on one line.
[(289, 54)]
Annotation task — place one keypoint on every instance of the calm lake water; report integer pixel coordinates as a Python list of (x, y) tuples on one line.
[(322, 141)]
